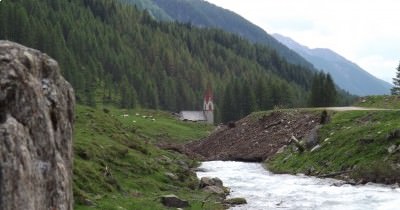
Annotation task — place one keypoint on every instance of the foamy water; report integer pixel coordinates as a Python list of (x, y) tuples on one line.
[(264, 190)]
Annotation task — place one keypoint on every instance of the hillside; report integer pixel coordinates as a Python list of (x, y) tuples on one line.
[(114, 54), (204, 14), (386, 102), (117, 166), (346, 74), (358, 146)]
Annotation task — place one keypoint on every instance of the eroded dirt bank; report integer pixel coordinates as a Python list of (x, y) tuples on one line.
[(258, 136)]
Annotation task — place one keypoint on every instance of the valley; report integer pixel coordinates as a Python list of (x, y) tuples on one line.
[(274, 112)]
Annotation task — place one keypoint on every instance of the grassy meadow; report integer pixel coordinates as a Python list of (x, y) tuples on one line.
[(117, 166)]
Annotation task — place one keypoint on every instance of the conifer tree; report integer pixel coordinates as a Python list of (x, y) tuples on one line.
[(248, 99), (323, 91), (227, 110), (396, 81), (329, 91)]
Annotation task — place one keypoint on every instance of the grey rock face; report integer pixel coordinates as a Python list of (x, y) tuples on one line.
[(36, 122)]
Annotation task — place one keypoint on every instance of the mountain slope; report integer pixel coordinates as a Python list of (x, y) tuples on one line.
[(114, 54), (346, 74), (153, 9), (203, 14)]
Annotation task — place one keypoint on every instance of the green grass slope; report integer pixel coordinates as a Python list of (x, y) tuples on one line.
[(380, 101), (117, 166), (355, 142)]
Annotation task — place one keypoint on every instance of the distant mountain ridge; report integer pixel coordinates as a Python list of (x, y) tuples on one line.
[(204, 14), (345, 73)]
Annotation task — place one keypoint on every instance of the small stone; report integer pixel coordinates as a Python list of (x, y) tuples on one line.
[(316, 148), (392, 149), (171, 176), (236, 201), (174, 201)]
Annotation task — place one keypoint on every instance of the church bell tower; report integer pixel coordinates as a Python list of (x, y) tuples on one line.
[(208, 106)]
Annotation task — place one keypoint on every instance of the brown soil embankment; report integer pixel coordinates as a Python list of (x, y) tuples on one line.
[(256, 137)]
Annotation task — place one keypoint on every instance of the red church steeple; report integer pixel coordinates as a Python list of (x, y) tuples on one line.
[(208, 100)]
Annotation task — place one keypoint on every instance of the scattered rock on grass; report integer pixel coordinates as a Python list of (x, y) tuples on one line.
[(174, 201), (392, 149), (316, 148), (171, 176)]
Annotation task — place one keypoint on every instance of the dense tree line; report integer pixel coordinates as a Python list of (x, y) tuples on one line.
[(112, 53), (323, 91)]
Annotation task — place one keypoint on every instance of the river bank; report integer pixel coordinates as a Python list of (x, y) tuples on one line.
[(358, 146)]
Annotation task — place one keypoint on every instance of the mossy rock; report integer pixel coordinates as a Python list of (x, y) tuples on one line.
[(235, 201)]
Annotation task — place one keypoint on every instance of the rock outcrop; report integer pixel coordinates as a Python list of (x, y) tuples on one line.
[(36, 122)]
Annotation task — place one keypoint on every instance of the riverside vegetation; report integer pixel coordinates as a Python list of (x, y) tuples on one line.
[(117, 166), (360, 146)]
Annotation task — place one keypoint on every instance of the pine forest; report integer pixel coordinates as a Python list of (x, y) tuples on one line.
[(113, 53)]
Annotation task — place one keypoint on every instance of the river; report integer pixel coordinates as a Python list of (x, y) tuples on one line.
[(265, 190)]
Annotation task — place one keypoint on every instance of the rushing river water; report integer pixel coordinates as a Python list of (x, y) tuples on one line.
[(264, 190)]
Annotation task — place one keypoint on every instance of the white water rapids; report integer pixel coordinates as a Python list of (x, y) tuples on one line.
[(265, 191)]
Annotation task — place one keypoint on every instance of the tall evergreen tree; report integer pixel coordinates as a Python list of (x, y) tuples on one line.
[(248, 99), (228, 106), (396, 82), (329, 91), (323, 91)]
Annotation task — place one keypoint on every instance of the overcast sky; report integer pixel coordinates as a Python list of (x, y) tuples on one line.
[(366, 32)]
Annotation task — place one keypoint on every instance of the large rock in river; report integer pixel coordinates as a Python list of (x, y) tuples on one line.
[(36, 121)]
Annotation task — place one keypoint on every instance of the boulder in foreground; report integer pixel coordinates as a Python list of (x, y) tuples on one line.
[(36, 121)]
